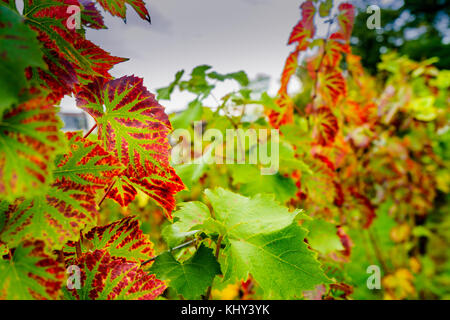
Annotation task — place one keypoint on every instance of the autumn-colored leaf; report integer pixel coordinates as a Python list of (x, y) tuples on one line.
[(90, 16), (110, 263), (304, 30), (30, 274), (332, 86), (56, 217), (19, 49), (135, 127), (122, 239), (87, 164), (285, 111), (118, 8), (29, 141), (71, 59), (325, 126), (334, 49), (346, 19), (289, 70), (104, 277)]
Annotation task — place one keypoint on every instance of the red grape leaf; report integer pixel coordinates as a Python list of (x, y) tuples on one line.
[(346, 19), (70, 57), (332, 86), (29, 141), (289, 69), (106, 278), (304, 30), (87, 164), (333, 51), (135, 126), (57, 216), (122, 239), (285, 113), (118, 8), (325, 126), (90, 16), (30, 274), (110, 263)]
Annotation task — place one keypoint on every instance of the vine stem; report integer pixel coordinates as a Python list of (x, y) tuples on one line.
[(90, 131), (219, 243), (107, 191), (183, 245)]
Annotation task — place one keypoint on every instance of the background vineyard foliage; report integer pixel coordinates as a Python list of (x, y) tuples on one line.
[(363, 176)]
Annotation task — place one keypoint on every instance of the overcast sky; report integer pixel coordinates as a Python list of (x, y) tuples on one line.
[(231, 35)]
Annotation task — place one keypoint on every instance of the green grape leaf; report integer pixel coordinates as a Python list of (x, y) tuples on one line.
[(280, 262), (240, 76), (30, 139), (325, 7), (252, 182), (19, 49), (264, 240), (244, 216), (30, 274), (323, 236), (190, 278), (166, 92), (186, 218), (185, 119)]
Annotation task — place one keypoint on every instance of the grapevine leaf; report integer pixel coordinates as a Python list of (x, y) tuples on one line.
[(289, 69), (104, 277), (325, 7), (135, 127), (71, 59), (304, 30), (90, 16), (325, 126), (240, 76), (280, 262), (190, 278), (262, 214), (252, 182), (29, 141), (323, 236), (118, 8), (332, 86), (186, 218), (285, 110), (261, 235), (19, 49), (334, 49), (87, 163), (122, 239), (185, 119), (346, 19), (55, 218), (166, 92), (30, 274)]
